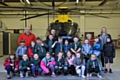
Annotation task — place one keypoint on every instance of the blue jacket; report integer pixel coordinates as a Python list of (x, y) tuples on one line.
[(96, 48), (86, 49), (21, 50)]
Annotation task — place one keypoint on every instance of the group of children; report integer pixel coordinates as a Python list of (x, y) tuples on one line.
[(59, 57)]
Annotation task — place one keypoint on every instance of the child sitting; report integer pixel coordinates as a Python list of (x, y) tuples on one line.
[(24, 66), (47, 63), (40, 48), (70, 58), (79, 64), (94, 65), (60, 64), (96, 46), (86, 50), (22, 49), (35, 65), (11, 64), (75, 47), (109, 54)]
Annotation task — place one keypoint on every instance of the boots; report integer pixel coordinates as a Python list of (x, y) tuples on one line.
[(110, 71), (106, 70)]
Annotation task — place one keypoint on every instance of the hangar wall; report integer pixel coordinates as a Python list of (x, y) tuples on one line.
[(86, 24)]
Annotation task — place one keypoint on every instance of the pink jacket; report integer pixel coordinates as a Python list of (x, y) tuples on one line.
[(44, 63), (70, 61)]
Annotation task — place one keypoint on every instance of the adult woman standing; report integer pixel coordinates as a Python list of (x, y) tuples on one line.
[(103, 36)]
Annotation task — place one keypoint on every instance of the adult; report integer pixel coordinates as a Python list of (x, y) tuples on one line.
[(27, 37), (53, 32), (89, 37), (103, 36)]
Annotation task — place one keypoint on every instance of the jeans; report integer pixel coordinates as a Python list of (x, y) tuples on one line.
[(9, 69), (51, 67), (33, 68)]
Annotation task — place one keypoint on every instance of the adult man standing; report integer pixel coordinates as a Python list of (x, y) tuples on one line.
[(27, 37)]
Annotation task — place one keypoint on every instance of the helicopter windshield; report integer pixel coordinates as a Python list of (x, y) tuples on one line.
[(64, 29)]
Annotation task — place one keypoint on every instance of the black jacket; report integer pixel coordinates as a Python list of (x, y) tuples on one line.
[(109, 49)]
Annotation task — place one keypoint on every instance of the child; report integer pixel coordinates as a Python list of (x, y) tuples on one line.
[(24, 66), (47, 63), (22, 49), (75, 47), (66, 47), (79, 64), (50, 42), (96, 46), (31, 49), (35, 65), (94, 65), (109, 54), (60, 64), (86, 50), (40, 48), (58, 46), (11, 64), (70, 58)]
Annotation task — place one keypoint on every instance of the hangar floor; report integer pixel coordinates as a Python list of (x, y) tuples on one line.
[(114, 76)]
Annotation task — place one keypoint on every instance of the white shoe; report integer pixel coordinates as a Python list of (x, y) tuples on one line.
[(90, 74), (26, 75), (83, 76), (79, 75)]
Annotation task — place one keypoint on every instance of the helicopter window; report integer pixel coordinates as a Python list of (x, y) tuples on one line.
[(68, 27)]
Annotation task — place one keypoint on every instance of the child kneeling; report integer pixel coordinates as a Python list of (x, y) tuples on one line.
[(35, 65), (24, 66), (47, 63), (79, 64), (11, 64), (60, 64), (94, 65)]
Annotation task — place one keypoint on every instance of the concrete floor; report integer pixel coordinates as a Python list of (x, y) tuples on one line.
[(106, 76)]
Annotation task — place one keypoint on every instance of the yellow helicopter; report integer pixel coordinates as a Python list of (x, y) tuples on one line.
[(63, 24)]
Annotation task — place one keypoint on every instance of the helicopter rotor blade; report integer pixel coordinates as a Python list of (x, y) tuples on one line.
[(3, 3), (38, 15), (99, 15), (18, 7)]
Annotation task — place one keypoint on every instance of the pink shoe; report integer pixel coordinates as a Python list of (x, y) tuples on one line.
[(53, 75)]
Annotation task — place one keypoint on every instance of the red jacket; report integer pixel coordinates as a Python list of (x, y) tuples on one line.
[(91, 41), (7, 62), (27, 39), (30, 52)]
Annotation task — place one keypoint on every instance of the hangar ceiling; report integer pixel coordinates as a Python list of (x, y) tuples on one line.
[(88, 6)]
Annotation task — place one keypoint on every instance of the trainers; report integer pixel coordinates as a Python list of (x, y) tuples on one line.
[(53, 75), (83, 76), (79, 75), (90, 74), (8, 77), (99, 76), (21, 75), (34, 76), (110, 71), (26, 75)]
